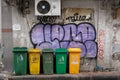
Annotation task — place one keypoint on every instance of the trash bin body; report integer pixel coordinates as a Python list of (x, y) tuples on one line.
[(20, 60), (61, 60), (74, 60), (48, 61), (34, 61)]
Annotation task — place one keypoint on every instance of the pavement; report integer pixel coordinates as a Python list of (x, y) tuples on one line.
[(80, 76)]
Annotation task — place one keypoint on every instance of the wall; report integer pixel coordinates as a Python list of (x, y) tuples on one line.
[(0, 18), (7, 40), (102, 23), (0, 21)]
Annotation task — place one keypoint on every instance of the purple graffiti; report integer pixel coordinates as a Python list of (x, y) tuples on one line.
[(74, 44), (47, 30), (70, 32), (81, 36), (57, 32), (91, 48), (87, 32)]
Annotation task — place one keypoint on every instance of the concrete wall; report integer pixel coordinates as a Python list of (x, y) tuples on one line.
[(21, 37), (0, 33), (0, 20), (7, 40), (107, 32)]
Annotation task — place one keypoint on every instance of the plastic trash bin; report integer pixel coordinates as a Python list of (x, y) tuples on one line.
[(48, 61), (34, 61), (61, 60), (74, 60), (20, 60)]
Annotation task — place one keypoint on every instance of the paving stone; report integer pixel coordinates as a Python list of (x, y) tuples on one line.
[(62, 78), (104, 78), (84, 78)]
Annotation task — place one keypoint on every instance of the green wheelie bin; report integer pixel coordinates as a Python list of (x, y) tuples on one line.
[(61, 60), (20, 60), (48, 61)]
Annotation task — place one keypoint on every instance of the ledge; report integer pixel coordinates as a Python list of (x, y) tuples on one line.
[(81, 76)]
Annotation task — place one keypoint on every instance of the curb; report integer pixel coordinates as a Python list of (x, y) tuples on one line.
[(81, 76)]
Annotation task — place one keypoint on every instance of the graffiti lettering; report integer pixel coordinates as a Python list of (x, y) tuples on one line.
[(101, 43), (82, 36), (116, 56), (77, 17), (47, 19)]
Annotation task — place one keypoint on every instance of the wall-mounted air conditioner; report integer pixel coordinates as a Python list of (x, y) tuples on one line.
[(48, 7)]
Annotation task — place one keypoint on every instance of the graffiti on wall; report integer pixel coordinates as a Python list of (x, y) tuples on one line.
[(47, 19), (101, 42), (54, 36), (116, 56), (78, 15), (116, 42)]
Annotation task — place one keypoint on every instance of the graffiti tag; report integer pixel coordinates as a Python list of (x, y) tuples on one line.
[(47, 19), (77, 17), (101, 43), (55, 36), (116, 56)]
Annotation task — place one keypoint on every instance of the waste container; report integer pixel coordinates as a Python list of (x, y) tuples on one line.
[(74, 60), (48, 61), (34, 61), (20, 60), (61, 60)]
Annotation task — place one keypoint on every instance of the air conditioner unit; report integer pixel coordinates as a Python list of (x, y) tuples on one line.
[(48, 7)]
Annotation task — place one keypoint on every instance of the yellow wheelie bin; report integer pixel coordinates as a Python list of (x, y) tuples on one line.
[(74, 60), (34, 61)]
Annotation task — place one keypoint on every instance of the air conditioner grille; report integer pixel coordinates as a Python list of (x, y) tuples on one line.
[(47, 7), (43, 7)]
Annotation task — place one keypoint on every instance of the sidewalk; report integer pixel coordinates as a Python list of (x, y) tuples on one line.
[(81, 76)]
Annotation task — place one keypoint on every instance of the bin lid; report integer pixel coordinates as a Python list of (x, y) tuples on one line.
[(19, 49), (34, 50), (61, 50), (47, 50), (75, 50)]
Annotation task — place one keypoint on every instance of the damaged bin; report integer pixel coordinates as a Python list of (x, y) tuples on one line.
[(34, 61), (20, 60), (61, 60), (74, 60), (48, 61)]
